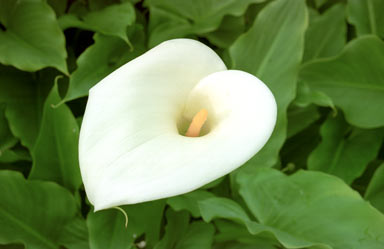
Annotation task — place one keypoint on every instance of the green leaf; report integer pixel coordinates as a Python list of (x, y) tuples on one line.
[(230, 231), (300, 118), (100, 59), (32, 39), (228, 31), (312, 209), (222, 207), (296, 149), (100, 4), (306, 96), (146, 219), (326, 33), (107, 230), (177, 224), (59, 6), (179, 234), (112, 20), (10, 156), (7, 140), (198, 236), (33, 212), (354, 81), (107, 227), (75, 235), (55, 155), (189, 201), (272, 51), (320, 3), (24, 97), (367, 16), (174, 19), (237, 245), (12, 246), (345, 151), (375, 190)]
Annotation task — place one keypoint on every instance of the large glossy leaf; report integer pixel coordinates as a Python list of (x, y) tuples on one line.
[(75, 235), (33, 212), (55, 155), (306, 96), (326, 33), (242, 229), (354, 81), (272, 50), (311, 209), (173, 19), (375, 190), (107, 228), (367, 16), (179, 234), (14, 155), (24, 97), (198, 236), (230, 28), (189, 201), (345, 151), (222, 207), (231, 231), (31, 38), (177, 224), (100, 59), (112, 20)]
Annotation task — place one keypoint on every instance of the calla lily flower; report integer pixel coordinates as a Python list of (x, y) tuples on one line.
[(169, 122)]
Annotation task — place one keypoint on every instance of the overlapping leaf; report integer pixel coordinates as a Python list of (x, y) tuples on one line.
[(24, 99), (55, 154), (345, 151), (33, 212), (180, 234), (310, 208), (354, 81), (367, 16), (107, 228), (375, 191), (31, 38), (170, 19), (326, 33), (112, 20), (272, 50), (7, 140), (100, 59), (189, 201)]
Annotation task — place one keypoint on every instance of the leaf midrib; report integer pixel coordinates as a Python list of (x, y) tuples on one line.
[(28, 229), (271, 49), (336, 156)]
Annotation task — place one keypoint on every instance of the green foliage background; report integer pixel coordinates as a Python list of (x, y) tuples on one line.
[(318, 183)]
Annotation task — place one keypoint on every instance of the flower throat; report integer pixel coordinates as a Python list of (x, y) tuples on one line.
[(197, 123)]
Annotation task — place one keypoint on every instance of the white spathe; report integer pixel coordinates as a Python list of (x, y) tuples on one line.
[(130, 148)]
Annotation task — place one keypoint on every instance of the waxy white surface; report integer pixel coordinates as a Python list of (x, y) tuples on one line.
[(130, 147)]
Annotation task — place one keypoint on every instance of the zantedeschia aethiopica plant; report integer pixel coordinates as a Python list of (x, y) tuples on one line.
[(169, 122)]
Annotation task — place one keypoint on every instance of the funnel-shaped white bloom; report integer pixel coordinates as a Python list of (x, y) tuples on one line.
[(131, 149)]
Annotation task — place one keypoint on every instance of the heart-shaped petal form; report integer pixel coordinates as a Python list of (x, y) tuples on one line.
[(131, 144)]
